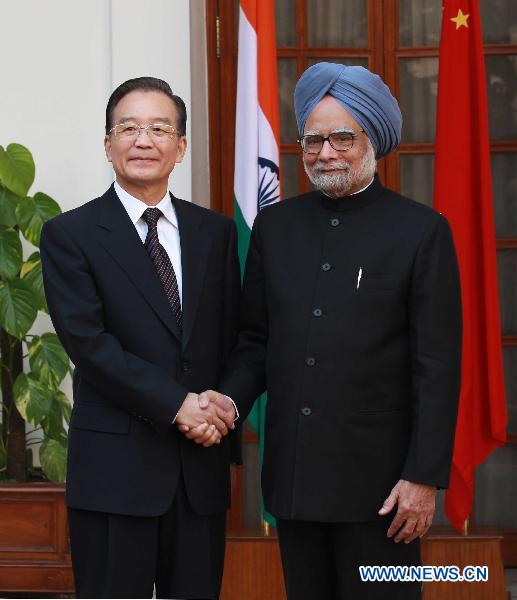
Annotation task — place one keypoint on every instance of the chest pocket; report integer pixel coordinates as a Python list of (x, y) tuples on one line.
[(375, 283)]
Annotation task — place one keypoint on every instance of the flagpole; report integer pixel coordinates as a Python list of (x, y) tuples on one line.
[(465, 530), (265, 528)]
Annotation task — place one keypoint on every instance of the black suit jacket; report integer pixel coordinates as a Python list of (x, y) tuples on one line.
[(132, 367), (362, 380)]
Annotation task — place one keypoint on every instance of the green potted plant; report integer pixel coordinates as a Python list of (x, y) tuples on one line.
[(34, 411)]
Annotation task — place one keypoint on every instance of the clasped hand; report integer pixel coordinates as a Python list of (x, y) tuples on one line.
[(206, 418)]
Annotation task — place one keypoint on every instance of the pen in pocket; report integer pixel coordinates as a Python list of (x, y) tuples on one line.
[(359, 275)]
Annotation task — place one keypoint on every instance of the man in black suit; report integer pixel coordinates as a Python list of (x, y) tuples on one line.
[(352, 321), (143, 291)]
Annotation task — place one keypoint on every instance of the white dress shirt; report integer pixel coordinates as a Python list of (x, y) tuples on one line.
[(168, 232)]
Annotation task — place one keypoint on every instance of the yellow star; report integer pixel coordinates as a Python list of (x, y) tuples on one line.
[(460, 20)]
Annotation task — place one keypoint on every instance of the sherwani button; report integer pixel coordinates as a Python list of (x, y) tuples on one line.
[(306, 411), (325, 267), (317, 312), (310, 362), (335, 222)]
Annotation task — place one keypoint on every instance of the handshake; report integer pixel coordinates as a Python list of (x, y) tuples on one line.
[(205, 418)]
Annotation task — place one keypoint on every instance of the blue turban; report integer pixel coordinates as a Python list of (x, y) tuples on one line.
[(362, 93)]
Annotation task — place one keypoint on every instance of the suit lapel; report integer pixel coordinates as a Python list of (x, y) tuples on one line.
[(119, 237), (195, 249)]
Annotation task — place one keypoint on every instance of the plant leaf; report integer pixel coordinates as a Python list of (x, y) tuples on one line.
[(18, 308), (8, 204), (17, 168), (11, 253), (32, 213), (52, 455), (48, 360), (52, 423), (31, 273), (66, 407), (33, 400)]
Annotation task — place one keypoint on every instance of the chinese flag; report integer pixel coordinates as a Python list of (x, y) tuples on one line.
[(463, 193)]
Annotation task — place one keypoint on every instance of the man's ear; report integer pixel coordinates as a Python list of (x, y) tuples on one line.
[(107, 147), (182, 148)]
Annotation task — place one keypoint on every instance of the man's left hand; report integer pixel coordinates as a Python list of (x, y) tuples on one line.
[(416, 503)]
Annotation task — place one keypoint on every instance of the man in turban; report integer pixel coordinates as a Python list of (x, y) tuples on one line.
[(351, 320)]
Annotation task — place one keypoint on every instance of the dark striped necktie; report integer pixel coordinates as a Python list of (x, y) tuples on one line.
[(162, 262)]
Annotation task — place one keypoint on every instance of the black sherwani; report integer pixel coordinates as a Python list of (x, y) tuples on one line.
[(352, 321)]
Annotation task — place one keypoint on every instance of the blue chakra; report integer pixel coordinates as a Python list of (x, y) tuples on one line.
[(269, 183)]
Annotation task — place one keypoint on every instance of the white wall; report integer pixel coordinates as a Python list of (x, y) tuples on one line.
[(153, 38), (54, 85), (60, 61)]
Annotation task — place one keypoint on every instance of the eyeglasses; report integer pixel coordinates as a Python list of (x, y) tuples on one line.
[(158, 132), (339, 140)]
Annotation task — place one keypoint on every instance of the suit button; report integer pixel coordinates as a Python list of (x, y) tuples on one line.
[(325, 267), (185, 366), (317, 312), (306, 411), (334, 222), (310, 362)]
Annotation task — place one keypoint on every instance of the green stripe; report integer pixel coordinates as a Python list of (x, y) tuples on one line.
[(244, 234)]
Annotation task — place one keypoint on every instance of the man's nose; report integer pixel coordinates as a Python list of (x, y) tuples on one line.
[(143, 139), (327, 152)]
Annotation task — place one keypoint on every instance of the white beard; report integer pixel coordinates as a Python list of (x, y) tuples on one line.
[(339, 185)]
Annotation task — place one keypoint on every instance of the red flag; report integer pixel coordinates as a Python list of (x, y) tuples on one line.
[(463, 193)]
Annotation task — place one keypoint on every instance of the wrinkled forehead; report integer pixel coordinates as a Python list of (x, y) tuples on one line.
[(330, 115)]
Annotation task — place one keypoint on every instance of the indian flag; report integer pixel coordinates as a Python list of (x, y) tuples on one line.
[(257, 174)]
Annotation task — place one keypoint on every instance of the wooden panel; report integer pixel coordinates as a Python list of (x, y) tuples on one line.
[(34, 548), (253, 570), (45, 578), (28, 528), (33, 523), (476, 550)]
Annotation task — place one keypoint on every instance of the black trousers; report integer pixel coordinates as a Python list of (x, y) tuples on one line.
[(121, 556), (321, 560)]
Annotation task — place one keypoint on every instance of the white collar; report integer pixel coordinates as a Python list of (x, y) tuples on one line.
[(362, 189), (135, 208)]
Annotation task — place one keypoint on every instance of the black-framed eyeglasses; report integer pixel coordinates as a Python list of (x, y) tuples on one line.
[(339, 140)]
